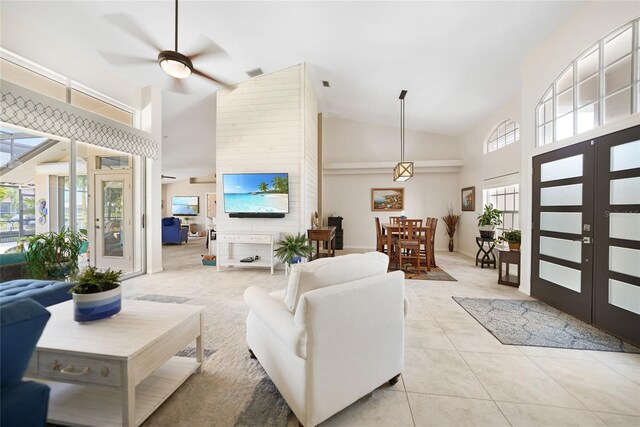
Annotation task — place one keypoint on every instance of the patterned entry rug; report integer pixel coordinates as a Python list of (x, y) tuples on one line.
[(436, 273), (233, 390), (534, 323)]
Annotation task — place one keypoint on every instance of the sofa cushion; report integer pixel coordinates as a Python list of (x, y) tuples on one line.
[(45, 292), (331, 271), (21, 324)]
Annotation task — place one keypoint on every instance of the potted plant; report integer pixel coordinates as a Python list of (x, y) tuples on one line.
[(53, 255), (96, 294), (292, 248), (512, 237), (488, 220), (451, 222)]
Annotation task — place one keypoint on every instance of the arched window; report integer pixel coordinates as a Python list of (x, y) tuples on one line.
[(600, 86), (504, 134)]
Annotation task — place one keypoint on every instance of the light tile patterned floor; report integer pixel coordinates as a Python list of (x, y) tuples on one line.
[(458, 374)]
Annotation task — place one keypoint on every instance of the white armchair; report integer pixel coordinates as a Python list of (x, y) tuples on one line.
[(336, 335)]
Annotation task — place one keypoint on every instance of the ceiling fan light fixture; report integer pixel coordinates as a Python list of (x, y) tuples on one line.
[(175, 64)]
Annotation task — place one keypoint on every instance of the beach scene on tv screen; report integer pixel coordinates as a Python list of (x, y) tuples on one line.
[(260, 192), (184, 205)]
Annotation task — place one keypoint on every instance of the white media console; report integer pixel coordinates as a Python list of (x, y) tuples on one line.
[(230, 258)]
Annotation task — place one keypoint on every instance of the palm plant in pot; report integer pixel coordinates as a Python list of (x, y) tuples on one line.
[(292, 248), (96, 294), (488, 220), (512, 237), (53, 255)]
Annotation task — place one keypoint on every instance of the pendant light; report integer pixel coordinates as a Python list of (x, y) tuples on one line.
[(403, 170)]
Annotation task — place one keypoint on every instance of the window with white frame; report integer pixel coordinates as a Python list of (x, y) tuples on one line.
[(600, 86), (507, 200), (505, 133)]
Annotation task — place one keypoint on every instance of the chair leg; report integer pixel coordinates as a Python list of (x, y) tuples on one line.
[(251, 355), (394, 380)]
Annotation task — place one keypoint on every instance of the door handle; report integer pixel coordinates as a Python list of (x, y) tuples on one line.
[(585, 240)]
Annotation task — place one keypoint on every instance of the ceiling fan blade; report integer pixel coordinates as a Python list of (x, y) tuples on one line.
[(130, 26), (120, 59), (167, 177), (207, 47), (208, 77), (178, 86)]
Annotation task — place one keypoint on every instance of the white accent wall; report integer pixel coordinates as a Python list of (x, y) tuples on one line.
[(480, 166), (268, 125), (359, 156)]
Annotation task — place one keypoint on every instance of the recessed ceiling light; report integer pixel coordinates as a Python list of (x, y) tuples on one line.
[(255, 72), (325, 83)]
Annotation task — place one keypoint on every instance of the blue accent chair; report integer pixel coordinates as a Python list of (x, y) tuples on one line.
[(172, 231), (45, 292), (22, 403)]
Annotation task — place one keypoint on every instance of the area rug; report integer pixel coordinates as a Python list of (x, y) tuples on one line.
[(436, 273), (534, 323), (233, 389)]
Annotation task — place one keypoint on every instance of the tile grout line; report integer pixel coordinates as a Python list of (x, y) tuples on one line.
[(406, 395)]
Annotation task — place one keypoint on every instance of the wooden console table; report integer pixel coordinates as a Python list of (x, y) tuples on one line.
[(323, 234), (507, 258)]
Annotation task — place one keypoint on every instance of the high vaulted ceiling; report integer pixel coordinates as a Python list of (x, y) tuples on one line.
[(458, 60)]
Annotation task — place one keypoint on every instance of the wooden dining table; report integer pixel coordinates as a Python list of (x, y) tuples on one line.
[(394, 228)]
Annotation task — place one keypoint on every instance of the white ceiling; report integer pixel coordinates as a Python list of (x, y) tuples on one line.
[(458, 60)]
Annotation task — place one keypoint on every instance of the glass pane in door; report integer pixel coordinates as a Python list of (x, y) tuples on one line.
[(113, 218)]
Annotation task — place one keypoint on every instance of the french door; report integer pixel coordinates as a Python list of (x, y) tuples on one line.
[(113, 222), (586, 231)]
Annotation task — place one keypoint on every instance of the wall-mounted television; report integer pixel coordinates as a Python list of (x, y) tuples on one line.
[(185, 205), (256, 195)]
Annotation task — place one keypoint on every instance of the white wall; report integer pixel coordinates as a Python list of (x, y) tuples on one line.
[(261, 128), (479, 167), (539, 69), (348, 192), (184, 188)]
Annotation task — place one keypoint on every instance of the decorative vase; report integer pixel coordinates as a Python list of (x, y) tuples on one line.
[(90, 307), (514, 246), (451, 244), (487, 231)]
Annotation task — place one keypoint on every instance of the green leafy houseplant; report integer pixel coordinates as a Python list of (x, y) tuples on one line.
[(488, 220), (53, 255), (512, 237), (92, 280), (291, 246)]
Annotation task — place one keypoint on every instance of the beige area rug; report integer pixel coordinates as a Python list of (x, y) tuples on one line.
[(436, 273), (233, 389)]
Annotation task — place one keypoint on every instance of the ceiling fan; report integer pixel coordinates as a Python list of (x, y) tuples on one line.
[(174, 63)]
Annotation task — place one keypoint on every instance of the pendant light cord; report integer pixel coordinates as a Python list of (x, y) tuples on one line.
[(402, 130), (176, 49)]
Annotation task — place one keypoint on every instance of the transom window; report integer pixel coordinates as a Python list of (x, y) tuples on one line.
[(600, 86), (504, 134)]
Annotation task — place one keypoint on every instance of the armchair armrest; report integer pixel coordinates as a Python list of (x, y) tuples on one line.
[(277, 317)]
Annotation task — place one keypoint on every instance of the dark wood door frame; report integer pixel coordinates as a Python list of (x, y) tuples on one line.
[(578, 304), (619, 321)]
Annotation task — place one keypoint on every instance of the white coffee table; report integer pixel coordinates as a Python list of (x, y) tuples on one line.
[(116, 371)]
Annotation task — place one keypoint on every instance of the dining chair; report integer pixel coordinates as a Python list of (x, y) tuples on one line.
[(394, 219), (380, 240), (409, 241), (429, 252)]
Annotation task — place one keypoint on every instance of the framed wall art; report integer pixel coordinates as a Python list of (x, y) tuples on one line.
[(468, 195), (387, 199)]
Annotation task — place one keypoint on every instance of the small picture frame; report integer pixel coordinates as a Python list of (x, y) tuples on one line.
[(468, 202), (387, 199)]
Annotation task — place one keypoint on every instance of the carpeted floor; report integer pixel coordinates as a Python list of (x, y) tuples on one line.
[(534, 323)]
